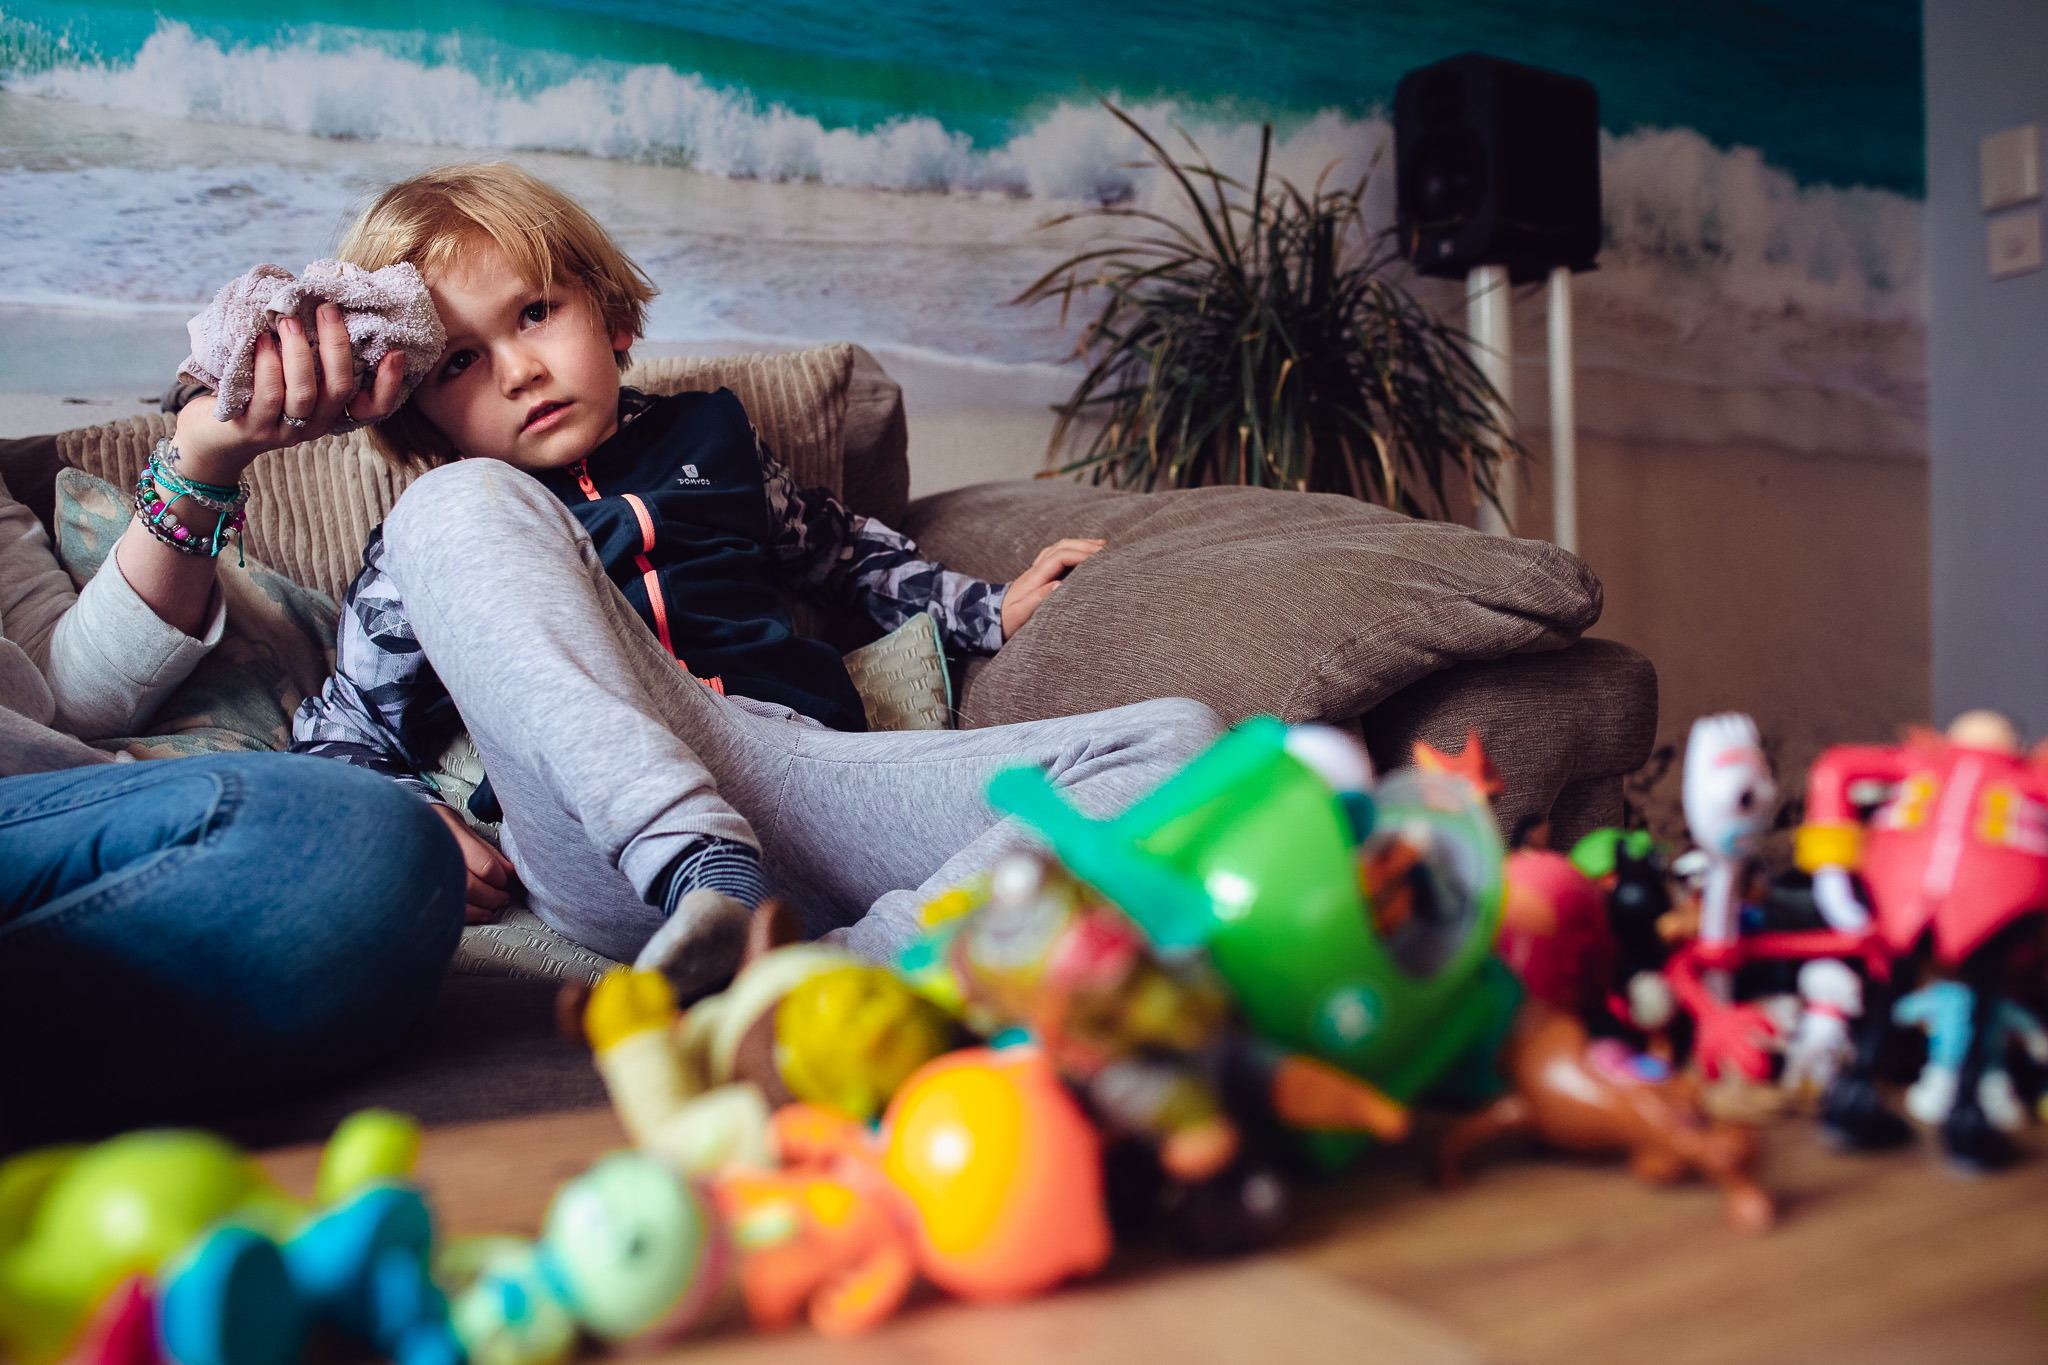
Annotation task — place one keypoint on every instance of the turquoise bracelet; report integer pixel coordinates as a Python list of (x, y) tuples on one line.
[(159, 486)]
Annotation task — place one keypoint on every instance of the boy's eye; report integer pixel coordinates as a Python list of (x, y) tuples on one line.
[(535, 313), (457, 363)]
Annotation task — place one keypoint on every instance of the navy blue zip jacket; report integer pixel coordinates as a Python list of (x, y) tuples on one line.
[(675, 504)]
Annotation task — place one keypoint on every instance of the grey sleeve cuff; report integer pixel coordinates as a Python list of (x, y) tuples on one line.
[(113, 659)]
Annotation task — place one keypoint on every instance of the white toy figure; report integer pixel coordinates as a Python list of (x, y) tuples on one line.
[(1943, 1009), (1820, 1045), (1729, 800)]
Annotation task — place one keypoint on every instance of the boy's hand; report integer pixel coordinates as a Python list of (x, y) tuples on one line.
[(287, 382), (1036, 583), (490, 872)]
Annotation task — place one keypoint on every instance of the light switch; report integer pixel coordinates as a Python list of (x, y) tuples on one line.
[(2009, 167), (2015, 240)]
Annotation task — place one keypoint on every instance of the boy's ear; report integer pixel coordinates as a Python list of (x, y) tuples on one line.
[(622, 339)]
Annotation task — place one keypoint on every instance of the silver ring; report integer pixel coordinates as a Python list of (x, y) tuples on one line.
[(346, 413), (293, 422)]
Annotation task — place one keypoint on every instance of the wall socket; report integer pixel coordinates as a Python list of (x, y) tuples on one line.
[(2015, 243), (2009, 167)]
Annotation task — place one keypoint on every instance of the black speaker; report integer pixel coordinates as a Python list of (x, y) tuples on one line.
[(1497, 164)]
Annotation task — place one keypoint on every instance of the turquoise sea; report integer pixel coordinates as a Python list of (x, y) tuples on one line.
[(793, 168)]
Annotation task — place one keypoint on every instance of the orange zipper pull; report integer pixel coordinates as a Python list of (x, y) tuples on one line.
[(583, 480)]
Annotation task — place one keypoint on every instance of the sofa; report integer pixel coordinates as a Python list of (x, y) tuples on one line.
[(1310, 607)]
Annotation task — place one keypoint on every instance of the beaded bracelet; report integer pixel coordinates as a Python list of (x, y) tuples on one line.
[(159, 486)]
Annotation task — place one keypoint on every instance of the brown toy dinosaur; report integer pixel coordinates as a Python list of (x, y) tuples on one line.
[(1567, 1098)]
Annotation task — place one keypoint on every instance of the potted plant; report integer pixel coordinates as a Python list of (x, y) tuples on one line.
[(1267, 339)]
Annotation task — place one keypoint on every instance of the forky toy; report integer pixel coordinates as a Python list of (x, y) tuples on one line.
[(1954, 866)]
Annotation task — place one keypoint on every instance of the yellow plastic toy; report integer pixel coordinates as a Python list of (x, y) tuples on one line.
[(802, 1021), (1004, 1170)]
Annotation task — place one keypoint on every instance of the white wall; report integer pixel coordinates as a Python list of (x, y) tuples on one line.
[(1987, 370)]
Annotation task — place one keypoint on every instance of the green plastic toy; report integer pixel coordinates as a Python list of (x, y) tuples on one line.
[(87, 1218), (1253, 854), (77, 1221)]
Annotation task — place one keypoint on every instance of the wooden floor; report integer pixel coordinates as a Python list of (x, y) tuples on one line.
[(1876, 1260)]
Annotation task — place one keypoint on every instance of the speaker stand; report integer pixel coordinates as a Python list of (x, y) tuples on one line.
[(1564, 426), (1489, 324)]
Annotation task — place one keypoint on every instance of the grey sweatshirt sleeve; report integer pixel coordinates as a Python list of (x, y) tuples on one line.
[(105, 658)]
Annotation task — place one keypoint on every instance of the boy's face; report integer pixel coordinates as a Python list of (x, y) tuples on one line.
[(529, 377)]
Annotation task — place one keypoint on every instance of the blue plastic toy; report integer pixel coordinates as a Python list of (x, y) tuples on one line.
[(240, 1298)]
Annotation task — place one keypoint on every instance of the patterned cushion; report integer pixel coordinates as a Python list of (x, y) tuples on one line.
[(277, 647), (902, 678)]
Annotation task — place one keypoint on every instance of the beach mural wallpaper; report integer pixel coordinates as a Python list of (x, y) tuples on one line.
[(791, 171)]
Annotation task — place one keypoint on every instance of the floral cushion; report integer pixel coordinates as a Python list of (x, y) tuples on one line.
[(278, 645)]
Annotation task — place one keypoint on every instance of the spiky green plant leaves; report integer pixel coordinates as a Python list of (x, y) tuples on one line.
[(1265, 337)]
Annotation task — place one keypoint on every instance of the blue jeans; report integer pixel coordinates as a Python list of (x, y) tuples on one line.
[(189, 936)]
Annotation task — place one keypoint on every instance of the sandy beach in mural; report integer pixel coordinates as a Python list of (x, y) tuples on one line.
[(1752, 413)]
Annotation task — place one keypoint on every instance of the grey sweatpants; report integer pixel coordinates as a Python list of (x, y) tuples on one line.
[(608, 758)]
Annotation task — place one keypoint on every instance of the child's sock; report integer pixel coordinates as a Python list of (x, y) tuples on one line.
[(707, 895), (719, 864)]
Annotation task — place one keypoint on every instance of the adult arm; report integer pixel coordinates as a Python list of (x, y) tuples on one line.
[(151, 613)]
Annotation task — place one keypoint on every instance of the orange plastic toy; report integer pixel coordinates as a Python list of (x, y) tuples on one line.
[(1004, 1171), (821, 1234)]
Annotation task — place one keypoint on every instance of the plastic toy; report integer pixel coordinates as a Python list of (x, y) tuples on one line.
[(1554, 932), (1264, 851), (1597, 1097), (1820, 1045), (77, 1222), (1944, 1009), (240, 1298), (664, 1102), (628, 1252), (1729, 799), (800, 1021), (1029, 947), (821, 1237), (1955, 863), (1004, 1172)]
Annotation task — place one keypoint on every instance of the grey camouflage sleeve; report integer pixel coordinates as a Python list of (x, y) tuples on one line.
[(820, 544), (384, 708)]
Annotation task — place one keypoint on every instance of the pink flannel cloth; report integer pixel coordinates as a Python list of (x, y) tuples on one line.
[(384, 310)]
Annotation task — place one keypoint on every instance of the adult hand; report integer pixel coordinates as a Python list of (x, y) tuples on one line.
[(287, 383), (490, 872), (1036, 583)]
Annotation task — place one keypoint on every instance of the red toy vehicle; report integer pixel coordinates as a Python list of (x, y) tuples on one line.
[(1954, 869)]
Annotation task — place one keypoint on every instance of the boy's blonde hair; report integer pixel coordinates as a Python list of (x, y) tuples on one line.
[(429, 220)]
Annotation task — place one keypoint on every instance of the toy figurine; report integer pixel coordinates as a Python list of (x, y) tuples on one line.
[(75, 1223), (1955, 863), (1032, 948), (1004, 1172), (1596, 1097), (628, 1252), (238, 1297), (801, 1021), (1259, 851), (1820, 1046), (1554, 932), (1944, 1009), (821, 1237), (1729, 799)]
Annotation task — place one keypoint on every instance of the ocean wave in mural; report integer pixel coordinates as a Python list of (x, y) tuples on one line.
[(785, 172)]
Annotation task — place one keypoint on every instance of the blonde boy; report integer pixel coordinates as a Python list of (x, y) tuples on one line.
[(572, 542)]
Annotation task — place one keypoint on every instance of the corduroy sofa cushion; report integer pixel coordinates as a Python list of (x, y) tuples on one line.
[(313, 504), (1305, 606)]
